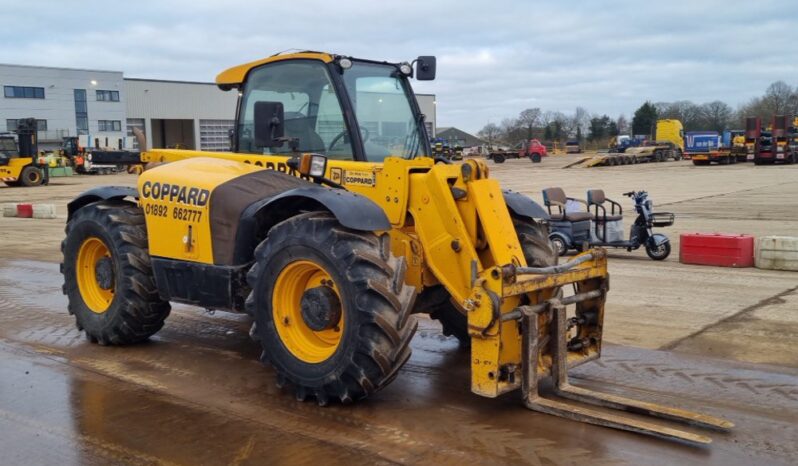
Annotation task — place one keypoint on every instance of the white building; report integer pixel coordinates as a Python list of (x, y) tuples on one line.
[(66, 102), (104, 106)]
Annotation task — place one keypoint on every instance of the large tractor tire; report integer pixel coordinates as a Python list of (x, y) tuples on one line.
[(108, 278), (331, 308), (538, 252), (31, 176)]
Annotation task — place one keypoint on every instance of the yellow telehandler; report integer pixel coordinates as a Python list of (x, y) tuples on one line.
[(330, 224)]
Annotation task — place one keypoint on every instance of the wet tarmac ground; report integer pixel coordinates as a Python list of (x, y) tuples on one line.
[(196, 394)]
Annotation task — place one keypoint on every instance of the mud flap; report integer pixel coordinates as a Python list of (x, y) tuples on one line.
[(656, 240)]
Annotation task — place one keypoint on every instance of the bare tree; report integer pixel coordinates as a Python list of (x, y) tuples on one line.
[(716, 116), (529, 118), (490, 133), (780, 98), (578, 123), (510, 130), (622, 124), (683, 110)]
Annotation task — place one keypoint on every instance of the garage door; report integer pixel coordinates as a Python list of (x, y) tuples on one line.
[(215, 134)]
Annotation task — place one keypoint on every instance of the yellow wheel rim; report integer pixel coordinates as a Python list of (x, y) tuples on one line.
[(96, 298), (302, 341)]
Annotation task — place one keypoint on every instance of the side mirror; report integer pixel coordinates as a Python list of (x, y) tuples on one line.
[(269, 124), (425, 68)]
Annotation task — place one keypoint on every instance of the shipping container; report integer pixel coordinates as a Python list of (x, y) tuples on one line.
[(702, 141)]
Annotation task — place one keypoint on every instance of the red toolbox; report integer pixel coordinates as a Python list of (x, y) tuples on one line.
[(719, 249)]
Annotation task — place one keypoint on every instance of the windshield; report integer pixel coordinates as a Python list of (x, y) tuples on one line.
[(381, 101), (8, 146), (312, 112)]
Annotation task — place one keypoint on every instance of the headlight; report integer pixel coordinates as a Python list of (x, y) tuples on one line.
[(649, 205), (406, 69), (318, 164), (313, 165)]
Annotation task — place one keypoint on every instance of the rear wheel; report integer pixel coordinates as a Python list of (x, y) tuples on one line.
[(538, 252), (108, 278), (31, 176), (331, 309), (498, 158)]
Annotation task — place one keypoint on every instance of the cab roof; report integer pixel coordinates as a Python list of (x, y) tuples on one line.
[(236, 75)]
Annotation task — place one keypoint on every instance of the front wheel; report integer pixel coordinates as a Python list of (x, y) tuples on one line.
[(660, 252), (331, 308), (108, 278), (558, 244)]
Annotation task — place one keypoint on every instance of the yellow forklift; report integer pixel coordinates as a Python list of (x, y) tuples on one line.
[(19, 161)]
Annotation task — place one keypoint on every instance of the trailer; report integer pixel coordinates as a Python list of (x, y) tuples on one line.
[(733, 142), (783, 137), (704, 147)]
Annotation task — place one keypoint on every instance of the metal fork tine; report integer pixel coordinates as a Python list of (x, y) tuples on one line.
[(534, 401), (591, 416), (641, 407), (563, 388)]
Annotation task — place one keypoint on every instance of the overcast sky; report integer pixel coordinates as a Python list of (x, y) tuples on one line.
[(495, 58)]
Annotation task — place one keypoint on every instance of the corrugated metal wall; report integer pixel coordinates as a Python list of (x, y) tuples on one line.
[(178, 100)]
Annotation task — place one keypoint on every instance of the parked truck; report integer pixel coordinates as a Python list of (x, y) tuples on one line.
[(753, 135), (97, 161), (783, 136), (668, 143), (531, 148), (705, 147)]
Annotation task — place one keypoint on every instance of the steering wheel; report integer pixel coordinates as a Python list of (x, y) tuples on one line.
[(442, 160), (363, 132)]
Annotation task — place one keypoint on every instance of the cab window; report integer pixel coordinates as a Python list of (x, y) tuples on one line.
[(312, 110)]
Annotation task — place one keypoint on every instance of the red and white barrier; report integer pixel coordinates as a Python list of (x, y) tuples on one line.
[(27, 210)]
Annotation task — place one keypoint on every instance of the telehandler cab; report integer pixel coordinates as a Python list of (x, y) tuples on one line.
[(330, 224)]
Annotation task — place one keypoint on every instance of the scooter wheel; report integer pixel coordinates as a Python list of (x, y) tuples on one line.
[(659, 253)]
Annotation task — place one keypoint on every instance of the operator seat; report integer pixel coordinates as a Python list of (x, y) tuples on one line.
[(555, 197), (571, 229), (299, 126), (596, 199)]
